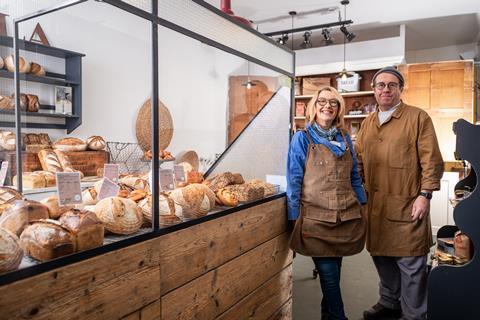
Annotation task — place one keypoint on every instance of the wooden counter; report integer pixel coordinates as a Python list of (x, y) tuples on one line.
[(237, 266)]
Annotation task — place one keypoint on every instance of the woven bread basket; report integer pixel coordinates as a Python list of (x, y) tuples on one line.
[(143, 126), (188, 156)]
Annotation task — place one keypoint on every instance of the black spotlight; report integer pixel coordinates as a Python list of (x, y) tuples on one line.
[(307, 40), (283, 39), (327, 37), (349, 35)]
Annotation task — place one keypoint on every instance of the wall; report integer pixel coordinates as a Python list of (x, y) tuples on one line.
[(440, 54)]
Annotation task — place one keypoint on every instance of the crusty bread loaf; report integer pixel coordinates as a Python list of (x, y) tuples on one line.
[(70, 144), (64, 161), (135, 182), (89, 197), (32, 103), (96, 143), (227, 198), (170, 212), (31, 180), (37, 69), (195, 199), (269, 189), (8, 197), (7, 140), (137, 195), (247, 192), (119, 215), (6, 103), (237, 178), (24, 65), (86, 228), (10, 252), (220, 181), (55, 211), (49, 161), (21, 213), (47, 239)]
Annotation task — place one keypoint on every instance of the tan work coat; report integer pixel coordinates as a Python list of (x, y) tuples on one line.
[(331, 221), (398, 159)]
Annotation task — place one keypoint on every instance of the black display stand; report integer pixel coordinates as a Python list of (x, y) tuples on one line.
[(453, 290)]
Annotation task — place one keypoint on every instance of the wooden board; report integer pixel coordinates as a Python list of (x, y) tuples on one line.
[(265, 300), (216, 291), (284, 313), (189, 253)]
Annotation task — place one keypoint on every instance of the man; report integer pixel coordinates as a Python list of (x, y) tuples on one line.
[(400, 161)]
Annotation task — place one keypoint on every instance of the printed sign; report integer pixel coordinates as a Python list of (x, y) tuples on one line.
[(166, 180), (179, 173), (108, 189), (110, 171), (68, 188), (3, 172)]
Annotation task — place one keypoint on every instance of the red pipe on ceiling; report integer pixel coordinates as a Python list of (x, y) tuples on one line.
[(225, 6)]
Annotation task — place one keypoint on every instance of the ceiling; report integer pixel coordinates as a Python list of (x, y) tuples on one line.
[(429, 23)]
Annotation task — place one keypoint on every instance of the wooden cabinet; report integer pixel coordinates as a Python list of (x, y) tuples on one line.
[(445, 90)]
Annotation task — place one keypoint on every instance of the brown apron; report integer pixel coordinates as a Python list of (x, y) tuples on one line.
[(331, 221)]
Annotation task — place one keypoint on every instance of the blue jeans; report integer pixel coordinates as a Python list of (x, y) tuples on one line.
[(329, 273)]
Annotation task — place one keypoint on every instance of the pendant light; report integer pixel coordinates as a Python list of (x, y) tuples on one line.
[(344, 74), (249, 83)]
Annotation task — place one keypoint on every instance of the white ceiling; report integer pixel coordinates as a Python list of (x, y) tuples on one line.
[(429, 23)]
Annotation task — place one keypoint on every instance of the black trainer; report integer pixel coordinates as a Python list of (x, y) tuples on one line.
[(380, 312)]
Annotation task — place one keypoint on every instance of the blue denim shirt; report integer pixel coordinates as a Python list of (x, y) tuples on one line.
[(297, 157)]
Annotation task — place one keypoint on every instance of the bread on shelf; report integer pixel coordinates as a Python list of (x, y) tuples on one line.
[(55, 211), (247, 192), (195, 199), (70, 144), (219, 181), (95, 143), (33, 103), (10, 252), (7, 140), (7, 197), (21, 213), (227, 198), (170, 212), (89, 196), (119, 215), (86, 228), (49, 161), (135, 182), (24, 65), (37, 69)]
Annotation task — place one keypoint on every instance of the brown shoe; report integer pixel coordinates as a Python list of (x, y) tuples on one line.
[(380, 312)]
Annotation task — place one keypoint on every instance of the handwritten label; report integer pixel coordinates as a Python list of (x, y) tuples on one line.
[(3, 172), (108, 189), (68, 188), (110, 171), (166, 180), (179, 173)]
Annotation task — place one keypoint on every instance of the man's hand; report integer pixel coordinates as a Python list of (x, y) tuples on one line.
[(421, 207)]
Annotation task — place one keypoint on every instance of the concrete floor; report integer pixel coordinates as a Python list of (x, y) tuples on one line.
[(359, 283)]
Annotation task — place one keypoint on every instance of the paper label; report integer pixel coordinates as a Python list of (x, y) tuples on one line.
[(166, 180), (110, 171), (3, 172), (68, 188), (179, 173), (108, 189)]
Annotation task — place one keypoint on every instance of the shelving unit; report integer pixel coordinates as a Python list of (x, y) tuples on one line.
[(72, 77)]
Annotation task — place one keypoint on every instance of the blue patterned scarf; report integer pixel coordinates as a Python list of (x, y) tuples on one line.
[(328, 134)]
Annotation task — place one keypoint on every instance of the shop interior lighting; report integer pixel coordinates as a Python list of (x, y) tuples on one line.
[(249, 83), (307, 40), (327, 37), (344, 74), (283, 39), (349, 35)]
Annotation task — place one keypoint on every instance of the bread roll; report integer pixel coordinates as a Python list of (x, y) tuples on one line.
[(54, 209), (96, 143), (6, 103), (89, 197), (119, 215), (70, 144), (8, 197), (21, 213), (227, 198), (37, 69), (170, 212), (24, 65), (86, 228), (196, 200), (32, 103), (49, 161), (7, 140), (10, 252), (46, 240), (31, 180)]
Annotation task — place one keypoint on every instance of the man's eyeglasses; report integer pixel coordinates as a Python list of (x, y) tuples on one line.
[(390, 85), (332, 102)]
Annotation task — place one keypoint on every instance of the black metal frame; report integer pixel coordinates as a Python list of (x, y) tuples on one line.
[(318, 26), (156, 230)]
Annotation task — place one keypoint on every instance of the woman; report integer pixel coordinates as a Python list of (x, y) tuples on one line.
[(325, 194)]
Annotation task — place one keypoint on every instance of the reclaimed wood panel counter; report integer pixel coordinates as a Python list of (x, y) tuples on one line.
[(236, 266)]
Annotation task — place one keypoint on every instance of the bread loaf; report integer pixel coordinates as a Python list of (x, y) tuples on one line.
[(10, 252), (54, 209), (269, 189), (32, 103), (220, 181), (7, 140), (24, 65), (119, 215), (70, 144), (6, 103), (89, 197), (64, 161), (46, 240), (246, 192), (21, 213), (227, 198), (195, 199), (37, 69), (86, 228), (49, 161), (96, 143), (170, 212), (135, 182), (31, 180), (8, 197)]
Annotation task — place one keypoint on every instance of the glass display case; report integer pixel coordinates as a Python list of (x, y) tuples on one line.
[(146, 119)]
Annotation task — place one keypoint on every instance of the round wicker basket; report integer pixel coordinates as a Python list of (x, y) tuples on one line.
[(190, 157), (143, 126)]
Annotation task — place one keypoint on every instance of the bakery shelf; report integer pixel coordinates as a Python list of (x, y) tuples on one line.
[(355, 116), (356, 93), (40, 114), (39, 48), (307, 96), (32, 78)]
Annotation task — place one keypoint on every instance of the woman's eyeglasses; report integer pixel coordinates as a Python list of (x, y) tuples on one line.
[(332, 102)]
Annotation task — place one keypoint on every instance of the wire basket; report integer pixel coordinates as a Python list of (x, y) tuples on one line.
[(129, 157)]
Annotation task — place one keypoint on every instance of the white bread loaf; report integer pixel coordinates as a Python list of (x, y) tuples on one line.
[(96, 143), (195, 199), (10, 252), (86, 228), (70, 144), (24, 65), (21, 213), (119, 215)]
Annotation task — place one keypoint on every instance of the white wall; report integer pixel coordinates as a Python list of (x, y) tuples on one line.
[(440, 54)]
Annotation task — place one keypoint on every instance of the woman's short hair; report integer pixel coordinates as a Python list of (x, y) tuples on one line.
[(311, 107)]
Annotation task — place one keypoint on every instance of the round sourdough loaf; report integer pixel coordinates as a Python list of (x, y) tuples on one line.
[(37, 69), (89, 197), (10, 252), (119, 215), (86, 228), (195, 199), (70, 144), (170, 212), (21, 213), (7, 140), (96, 143), (47, 239)]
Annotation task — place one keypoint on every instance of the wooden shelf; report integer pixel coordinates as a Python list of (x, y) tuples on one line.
[(355, 116), (343, 94), (307, 96), (299, 117)]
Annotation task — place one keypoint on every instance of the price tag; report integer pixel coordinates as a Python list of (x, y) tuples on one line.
[(3, 172), (166, 180), (108, 189), (179, 173), (68, 188), (110, 171)]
